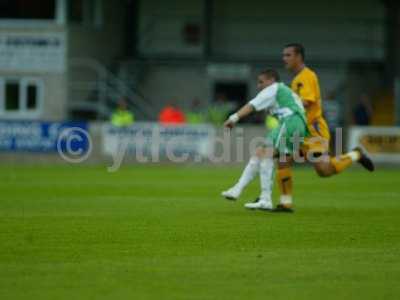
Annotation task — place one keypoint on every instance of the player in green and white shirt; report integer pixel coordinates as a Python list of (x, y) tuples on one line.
[(279, 100)]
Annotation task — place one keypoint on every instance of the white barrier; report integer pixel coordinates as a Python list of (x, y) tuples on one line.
[(383, 143), (159, 141)]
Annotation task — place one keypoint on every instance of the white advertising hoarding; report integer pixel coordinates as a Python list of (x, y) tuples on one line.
[(157, 141)]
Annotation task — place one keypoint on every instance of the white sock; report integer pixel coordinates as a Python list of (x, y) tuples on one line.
[(354, 155), (266, 179), (249, 173), (286, 200)]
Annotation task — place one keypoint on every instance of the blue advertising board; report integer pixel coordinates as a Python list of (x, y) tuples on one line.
[(36, 136)]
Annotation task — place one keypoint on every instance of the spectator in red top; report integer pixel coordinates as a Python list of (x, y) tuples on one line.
[(171, 115)]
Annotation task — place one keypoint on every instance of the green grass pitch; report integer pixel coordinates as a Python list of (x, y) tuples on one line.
[(163, 232)]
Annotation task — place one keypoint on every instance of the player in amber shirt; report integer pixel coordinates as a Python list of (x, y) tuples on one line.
[(306, 85)]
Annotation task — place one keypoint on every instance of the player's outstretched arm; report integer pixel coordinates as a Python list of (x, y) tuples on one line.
[(241, 113)]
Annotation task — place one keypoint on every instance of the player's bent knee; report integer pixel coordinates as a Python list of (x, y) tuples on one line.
[(322, 170)]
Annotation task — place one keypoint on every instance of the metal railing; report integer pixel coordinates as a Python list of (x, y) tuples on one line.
[(100, 90)]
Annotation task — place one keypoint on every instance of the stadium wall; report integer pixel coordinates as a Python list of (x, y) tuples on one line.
[(258, 29), (161, 27), (253, 33), (180, 83), (101, 39), (40, 57), (44, 51)]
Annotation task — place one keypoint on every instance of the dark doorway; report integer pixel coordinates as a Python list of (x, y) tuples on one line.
[(235, 93)]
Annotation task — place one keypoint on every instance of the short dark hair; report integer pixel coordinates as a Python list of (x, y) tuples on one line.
[(298, 48), (271, 74)]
